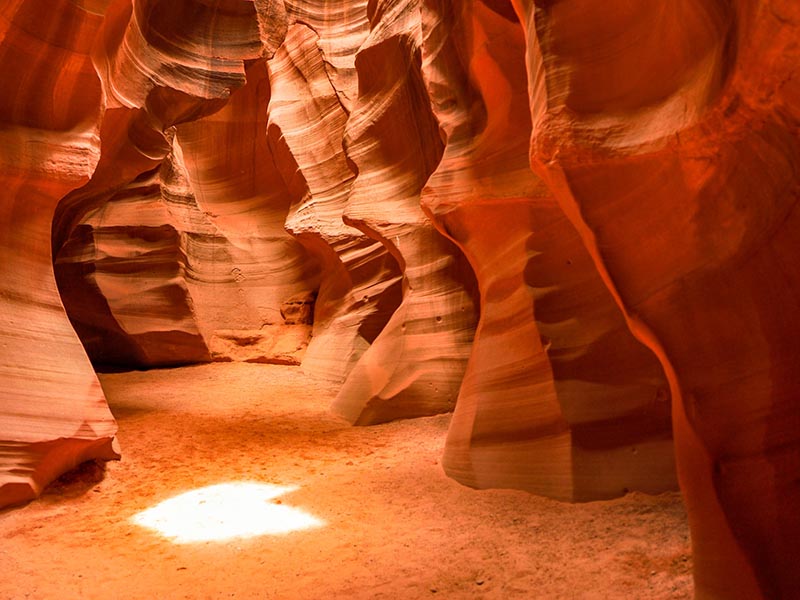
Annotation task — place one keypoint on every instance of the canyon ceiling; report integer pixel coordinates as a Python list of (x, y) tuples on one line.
[(574, 223)]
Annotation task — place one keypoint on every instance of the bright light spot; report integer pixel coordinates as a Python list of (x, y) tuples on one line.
[(225, 511)]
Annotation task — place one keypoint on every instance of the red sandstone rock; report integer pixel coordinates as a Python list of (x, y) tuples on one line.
[(414, 367), (249, 266), (277, 345), (669, 133), (359, 288), (229, 264), (52, 411), (666, 133), (122, 281), (558, 398)]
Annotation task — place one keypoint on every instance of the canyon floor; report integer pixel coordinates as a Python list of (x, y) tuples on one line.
[(390, 524)]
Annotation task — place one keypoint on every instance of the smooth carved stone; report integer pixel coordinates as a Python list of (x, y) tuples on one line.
[(666, 133), (243, 269), (107, 235), (558, 397), (414, 367), (341, 26), (127, 147), (53, 415), (360, 285), (130, 147), (166, 55), (684, 186), (122, 281), (212, 281), (160, 276)]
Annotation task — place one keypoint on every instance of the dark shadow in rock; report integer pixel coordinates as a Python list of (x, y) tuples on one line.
[(78, 481)]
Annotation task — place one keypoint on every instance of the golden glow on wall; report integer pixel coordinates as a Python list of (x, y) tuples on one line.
[(226, 511)]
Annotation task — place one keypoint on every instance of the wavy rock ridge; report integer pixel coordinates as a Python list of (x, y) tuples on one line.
[(573, 223), (559, 398), (699, 148), (53, 414)]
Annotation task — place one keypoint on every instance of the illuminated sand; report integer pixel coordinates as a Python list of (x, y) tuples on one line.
[(391, 525), (225, 511)]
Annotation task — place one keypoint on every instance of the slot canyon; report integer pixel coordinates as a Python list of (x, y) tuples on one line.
[(400, 299)]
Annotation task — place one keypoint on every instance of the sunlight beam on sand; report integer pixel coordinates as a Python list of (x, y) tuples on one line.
[(225, 511)]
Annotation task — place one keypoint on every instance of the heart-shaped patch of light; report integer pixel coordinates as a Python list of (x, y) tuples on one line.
[(226, 511)]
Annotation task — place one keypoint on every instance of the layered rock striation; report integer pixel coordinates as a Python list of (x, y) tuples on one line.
[(312, 87), (559, 398), (415, 365), (604, 196), (669, 135), (52, 411)]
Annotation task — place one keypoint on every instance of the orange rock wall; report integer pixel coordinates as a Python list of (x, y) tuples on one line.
[(669, 134), (559, 398), (602, 195), (415, 365), (312, 86), (52, 411)]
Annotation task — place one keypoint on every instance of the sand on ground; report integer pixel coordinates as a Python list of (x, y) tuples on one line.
[(393, 525)]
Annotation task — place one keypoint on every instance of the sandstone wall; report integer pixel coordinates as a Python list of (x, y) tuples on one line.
[(573, 223), (52, 411), (669, 134), (559, 398)]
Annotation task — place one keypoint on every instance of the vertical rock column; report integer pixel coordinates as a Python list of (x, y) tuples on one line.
[(669, 133), (53, 414), (360, 284), (122, 280), (414, 367), (558, 398), (249, 266)]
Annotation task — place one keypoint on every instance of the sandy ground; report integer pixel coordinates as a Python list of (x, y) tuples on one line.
[(395, 526)]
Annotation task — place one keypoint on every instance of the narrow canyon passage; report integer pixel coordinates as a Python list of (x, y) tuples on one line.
[(561, 238), (390, 524)]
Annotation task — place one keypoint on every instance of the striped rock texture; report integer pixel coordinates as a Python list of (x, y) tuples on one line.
[(559, 398), (414, 367), (121, 276), (53, 413), (312, 85), (602, 195), (668, 131)]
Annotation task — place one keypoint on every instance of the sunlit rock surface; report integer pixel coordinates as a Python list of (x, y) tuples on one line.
[(209, 281), (244, 270), (311, 86), (122, 281), (415, 366)]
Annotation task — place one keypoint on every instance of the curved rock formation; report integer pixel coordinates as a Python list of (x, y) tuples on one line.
[(121, 277), (243, 272), (227, 265), (680, 171), (170, 55), (414, 367), (359, 289), (558, 398), (159, 149), (52, 411)]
